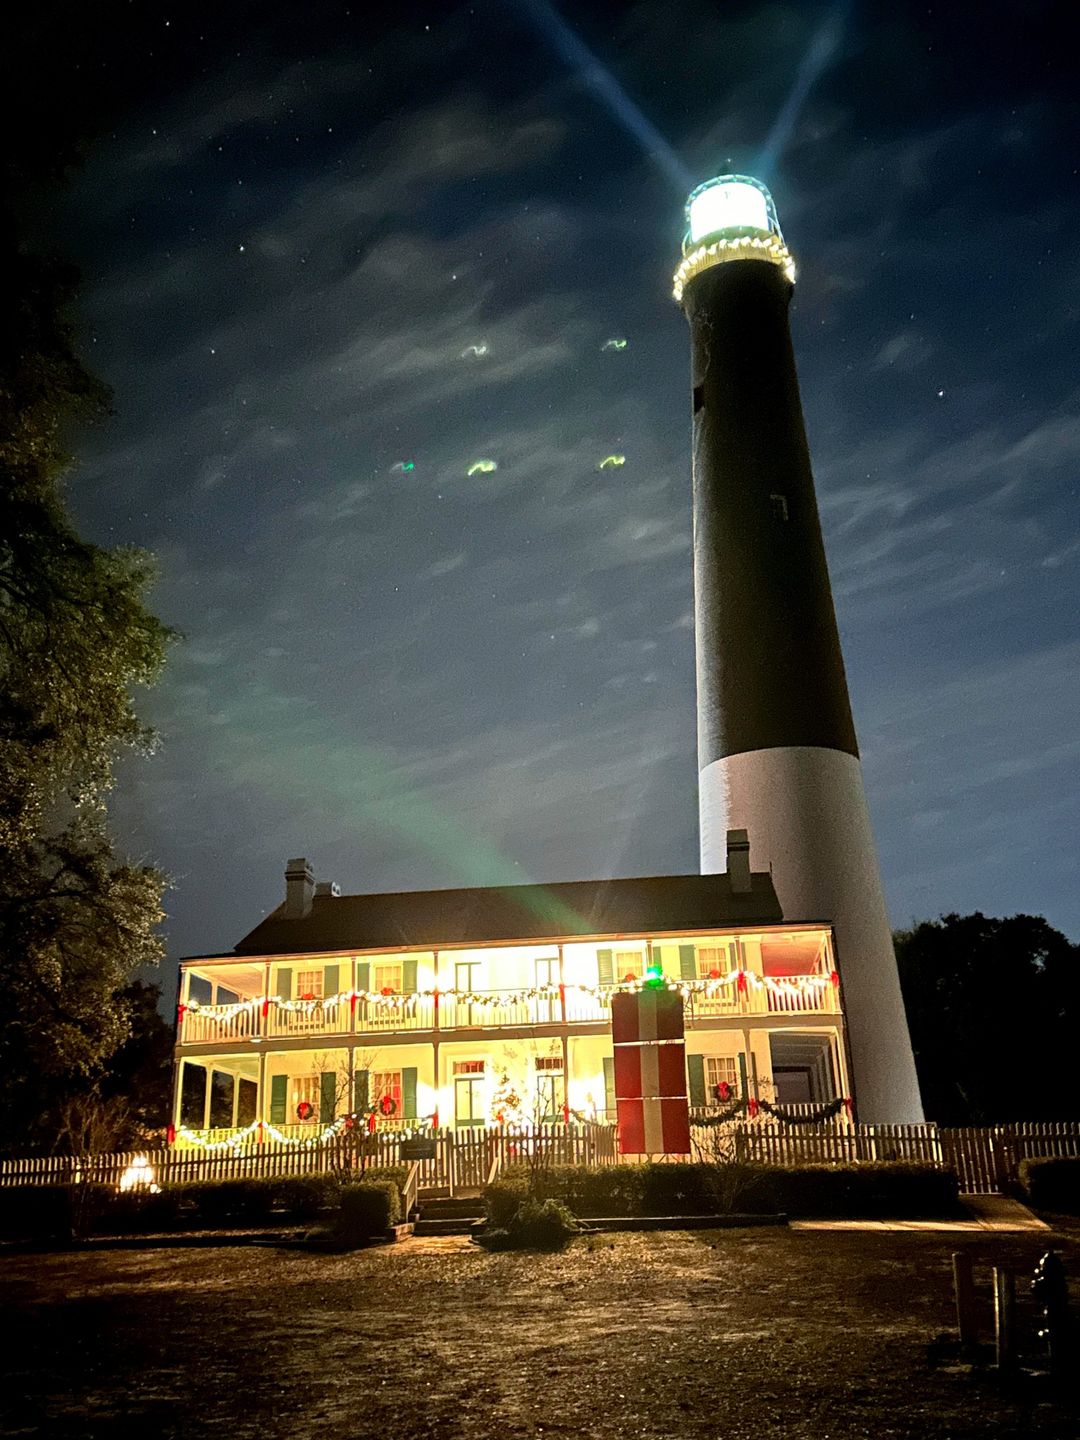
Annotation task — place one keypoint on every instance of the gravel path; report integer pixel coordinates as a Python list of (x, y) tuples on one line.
[(730, 1335)]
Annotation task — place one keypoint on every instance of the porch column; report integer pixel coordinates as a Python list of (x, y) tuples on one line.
[(565, 1042), (178, 1091), (435, 1039), (838, 1045), (260, 1109), (261, 1025)]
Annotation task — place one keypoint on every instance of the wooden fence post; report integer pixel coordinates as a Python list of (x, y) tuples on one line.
[(1004, 1318), (964, 1286)]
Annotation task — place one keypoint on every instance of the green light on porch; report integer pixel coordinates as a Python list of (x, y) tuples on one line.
[(654, 975)]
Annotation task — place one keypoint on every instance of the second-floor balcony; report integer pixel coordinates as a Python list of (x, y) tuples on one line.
[(362, 1013)]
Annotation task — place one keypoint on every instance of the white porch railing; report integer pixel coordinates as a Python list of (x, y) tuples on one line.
[(362, 1014)]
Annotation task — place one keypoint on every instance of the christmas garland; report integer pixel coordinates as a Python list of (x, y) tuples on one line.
[(752, 1108), (709, 987)]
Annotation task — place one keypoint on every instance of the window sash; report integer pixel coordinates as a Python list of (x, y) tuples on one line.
[(309, 1088), (713, 957), (309, 983), (388, 977), (628, 962), (721, 1069)]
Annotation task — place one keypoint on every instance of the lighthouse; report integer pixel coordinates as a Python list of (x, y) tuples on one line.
[(777, 751)]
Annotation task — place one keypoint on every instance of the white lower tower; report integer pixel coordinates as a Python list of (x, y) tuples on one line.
[(777, 753)]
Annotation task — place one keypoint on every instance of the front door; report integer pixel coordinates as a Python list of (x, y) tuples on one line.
[(547, 976), (469, 1102)]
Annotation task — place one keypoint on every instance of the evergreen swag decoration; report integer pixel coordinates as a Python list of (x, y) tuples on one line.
[(742, 1107)]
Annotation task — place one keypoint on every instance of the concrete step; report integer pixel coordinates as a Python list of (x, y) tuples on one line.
[(453, 1225), (446, 1209)]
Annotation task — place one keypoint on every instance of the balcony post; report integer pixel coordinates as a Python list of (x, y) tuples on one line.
[(260, 1113), (178, 1092), (262, 1025), (562, 987), (435, 1036)]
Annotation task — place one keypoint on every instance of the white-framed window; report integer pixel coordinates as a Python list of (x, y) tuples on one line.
[(309, 984), (713, 960), (550, 1088), (387, 976), (468, 1067), (721, 1070), (306, 1090), (470, 1094), (386, 1083), (627, 965)]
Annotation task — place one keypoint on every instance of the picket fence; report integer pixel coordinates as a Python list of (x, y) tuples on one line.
[(984, 1159)]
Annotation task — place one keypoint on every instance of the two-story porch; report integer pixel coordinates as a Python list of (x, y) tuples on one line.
[(475, 1035)]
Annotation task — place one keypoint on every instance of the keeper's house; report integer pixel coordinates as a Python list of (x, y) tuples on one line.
[(470, 1008)]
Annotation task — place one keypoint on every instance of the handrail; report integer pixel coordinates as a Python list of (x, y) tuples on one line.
[(412, 1189)]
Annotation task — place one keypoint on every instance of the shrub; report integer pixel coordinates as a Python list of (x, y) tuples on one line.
[(141, 1212), (1052, 1183), (301, 1197), (534, 1225), (397, 1175), (502, 1198), (822, 1190), (223, 1203), (870, 1189), (367, 1209), (36, 1212)]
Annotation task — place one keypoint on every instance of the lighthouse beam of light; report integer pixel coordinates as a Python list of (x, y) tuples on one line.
[(823, 47), (607, 89)]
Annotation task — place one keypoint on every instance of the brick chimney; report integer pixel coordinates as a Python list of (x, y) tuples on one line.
[(738, 861), (299, 889)]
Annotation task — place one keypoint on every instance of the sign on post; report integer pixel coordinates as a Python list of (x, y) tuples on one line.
[(422, 1149)]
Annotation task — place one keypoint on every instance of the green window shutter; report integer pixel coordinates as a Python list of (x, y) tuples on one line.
[(408, 1091), (363, 975), (327, 1097), (609, 1086), (408, 977), (687, 962), (361, 1091), (331, 981), (279, 1098), (695, 1070), (655, 955), (605, 969), (284, 984)]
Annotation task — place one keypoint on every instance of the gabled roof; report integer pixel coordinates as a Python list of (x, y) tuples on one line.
[(425, 919)]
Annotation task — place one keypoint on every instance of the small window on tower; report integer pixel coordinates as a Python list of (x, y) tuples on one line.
[(779, 506)]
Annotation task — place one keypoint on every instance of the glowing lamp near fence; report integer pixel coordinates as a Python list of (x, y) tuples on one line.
[(654, 974), (139, 1175)]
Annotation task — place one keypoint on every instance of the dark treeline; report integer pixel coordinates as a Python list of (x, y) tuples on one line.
[(993, 1007)]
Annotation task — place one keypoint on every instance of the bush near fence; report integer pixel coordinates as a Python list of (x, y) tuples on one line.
[(871, 1189), (367, 1209), (57, 1212), (1051, 1184)]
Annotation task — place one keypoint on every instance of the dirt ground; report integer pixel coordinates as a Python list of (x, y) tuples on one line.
[(731, 1334)]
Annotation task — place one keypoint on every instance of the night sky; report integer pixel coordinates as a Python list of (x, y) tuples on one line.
[(291, 240)]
